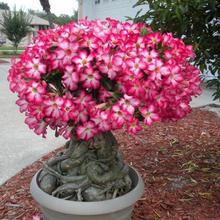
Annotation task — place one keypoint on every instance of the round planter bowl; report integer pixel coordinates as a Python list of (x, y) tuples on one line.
[(119, 208)]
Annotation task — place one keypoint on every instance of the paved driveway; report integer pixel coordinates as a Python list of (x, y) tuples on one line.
[(19, 146)]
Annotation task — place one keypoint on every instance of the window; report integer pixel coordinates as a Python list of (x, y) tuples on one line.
[(42, 27), (97, 2)]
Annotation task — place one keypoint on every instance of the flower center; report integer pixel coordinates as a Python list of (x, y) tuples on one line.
[(127, 102), (36, 66), (34, 90), (67, 109), (84, 61), (132, 77), (154, 40), (90, 76), (68, 52), (157, 69), (138, 45), (54, 105), (136, 65)]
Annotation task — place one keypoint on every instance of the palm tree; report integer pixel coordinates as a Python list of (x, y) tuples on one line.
[(46, 7)]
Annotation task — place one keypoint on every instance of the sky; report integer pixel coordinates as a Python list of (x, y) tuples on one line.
[(57, 6)]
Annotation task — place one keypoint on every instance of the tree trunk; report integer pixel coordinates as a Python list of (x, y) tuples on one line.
[(15, 48), (50, 20), (87, 171), (46, 7)]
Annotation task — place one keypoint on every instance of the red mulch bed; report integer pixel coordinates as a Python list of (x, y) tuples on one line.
[(180, 164)]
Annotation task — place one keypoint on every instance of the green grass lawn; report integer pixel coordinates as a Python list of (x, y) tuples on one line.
[(10, 48), (9, 53), (8, 56)]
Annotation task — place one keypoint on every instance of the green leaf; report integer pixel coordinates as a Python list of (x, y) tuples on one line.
[(144, 31)]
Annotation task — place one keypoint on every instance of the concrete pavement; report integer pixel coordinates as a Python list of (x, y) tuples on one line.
[(19, 146), (204, 99)]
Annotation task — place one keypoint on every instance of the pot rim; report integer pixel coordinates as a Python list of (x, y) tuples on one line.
[(88, 208)]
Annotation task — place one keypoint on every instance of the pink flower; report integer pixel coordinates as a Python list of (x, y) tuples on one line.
[(183, 109), (90, 42), (35, 92), (53, 107), (68, 110), (86, 131), (66, 131), (118, 115), (175, 76), (150, 55), (136, 65), (31, 121), (161, 101), (131, 28), (84, 99), (80, 114), (90, 78), (39, 126), (109, 66), (158, 69), (133, 126), (23, 104), (140, 43), (117, 60), (154, 38), (36, 217), (136, 89), (35, 68), (82, 60), (70, 77), (37, 111), (101, 120), (120, 58), (149, 115), (66, 51), (129, 103)]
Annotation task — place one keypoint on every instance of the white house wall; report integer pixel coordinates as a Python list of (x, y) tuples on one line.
[(88, 9), (117, 9)]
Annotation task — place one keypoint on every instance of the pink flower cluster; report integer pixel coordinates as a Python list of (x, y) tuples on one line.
[(95, 76), (36, 217)]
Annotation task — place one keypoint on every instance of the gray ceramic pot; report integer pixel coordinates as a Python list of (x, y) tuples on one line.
[(115, 209)]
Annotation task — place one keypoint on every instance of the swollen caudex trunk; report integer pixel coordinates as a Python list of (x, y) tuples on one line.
[(87, 171)]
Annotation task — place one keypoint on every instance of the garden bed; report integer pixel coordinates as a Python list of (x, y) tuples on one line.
[(180, 164)]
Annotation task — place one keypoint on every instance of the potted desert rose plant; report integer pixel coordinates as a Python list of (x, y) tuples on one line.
[(85, 80)]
